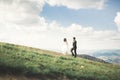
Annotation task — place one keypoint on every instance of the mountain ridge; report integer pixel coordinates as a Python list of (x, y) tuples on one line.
[(108, 55), (92, 58)]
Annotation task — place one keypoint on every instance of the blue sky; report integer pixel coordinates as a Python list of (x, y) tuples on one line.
[(99, 19)]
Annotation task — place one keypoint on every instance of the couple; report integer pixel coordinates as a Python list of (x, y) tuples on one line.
[(73, 49)]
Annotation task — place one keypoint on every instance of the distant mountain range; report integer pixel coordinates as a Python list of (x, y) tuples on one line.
[(85, 56), (111, 56)]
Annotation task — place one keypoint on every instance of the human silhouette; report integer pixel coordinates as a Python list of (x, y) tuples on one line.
[(65, 46), (74, 48)]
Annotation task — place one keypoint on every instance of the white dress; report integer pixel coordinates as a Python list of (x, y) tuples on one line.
[(65, 48)]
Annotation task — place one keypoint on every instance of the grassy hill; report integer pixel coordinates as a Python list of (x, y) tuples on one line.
[(26, 63)]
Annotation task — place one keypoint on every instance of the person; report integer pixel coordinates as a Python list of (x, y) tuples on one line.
[(65, 46), (74, 48)]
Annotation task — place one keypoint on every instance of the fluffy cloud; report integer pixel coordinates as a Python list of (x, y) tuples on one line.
[(117, 20), (20, 11), (20, 23), (78, 4)]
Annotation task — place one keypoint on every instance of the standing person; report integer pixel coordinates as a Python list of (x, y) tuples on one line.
[(74, 48), (65, 46)]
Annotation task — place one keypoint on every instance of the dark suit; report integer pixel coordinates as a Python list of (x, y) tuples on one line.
[(74, 48)]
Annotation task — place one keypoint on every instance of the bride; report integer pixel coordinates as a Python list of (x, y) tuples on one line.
[(65, 46)]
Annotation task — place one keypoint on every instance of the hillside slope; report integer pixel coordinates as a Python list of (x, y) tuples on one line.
[(26, 63)]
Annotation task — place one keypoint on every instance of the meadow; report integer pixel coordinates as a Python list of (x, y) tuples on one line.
[(19, 62)]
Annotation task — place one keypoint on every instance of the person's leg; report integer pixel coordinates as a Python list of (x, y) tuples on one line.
[(75, 52), (72, 51)]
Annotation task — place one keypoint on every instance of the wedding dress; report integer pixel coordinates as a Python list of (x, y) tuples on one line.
[(65, 48)]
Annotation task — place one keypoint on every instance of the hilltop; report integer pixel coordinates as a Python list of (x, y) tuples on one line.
[(26, 63)]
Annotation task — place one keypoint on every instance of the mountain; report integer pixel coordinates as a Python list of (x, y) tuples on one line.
[(26, 63), (112, 56), (85, 56)]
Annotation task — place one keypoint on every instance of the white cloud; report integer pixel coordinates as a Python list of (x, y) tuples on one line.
[(117, 20), (20, 23), (20, 11), (78, 4), (88, 38)]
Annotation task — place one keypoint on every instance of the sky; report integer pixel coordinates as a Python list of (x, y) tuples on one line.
[(44, 23)]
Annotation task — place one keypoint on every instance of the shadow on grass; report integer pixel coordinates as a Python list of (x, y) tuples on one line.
[(10, 70), (18, 71)]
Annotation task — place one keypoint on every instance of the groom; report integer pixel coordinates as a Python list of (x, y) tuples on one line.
[(74, 48)]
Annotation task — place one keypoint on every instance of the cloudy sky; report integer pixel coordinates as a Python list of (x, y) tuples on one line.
[(44, 23)]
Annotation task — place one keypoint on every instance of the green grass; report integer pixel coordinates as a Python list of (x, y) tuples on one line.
[(47, 65)]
